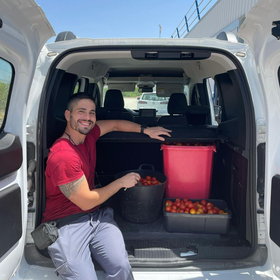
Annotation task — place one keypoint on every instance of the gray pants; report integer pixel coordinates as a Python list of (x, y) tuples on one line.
[(93, 236)]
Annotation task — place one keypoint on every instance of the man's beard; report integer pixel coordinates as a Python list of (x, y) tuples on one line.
[(82, 130)]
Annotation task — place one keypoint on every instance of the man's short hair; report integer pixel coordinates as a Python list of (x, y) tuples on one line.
[(75, 98)]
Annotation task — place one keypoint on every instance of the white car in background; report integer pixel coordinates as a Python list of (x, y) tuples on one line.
[(150, 100)]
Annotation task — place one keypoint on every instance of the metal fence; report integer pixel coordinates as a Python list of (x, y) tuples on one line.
[(197, 10)]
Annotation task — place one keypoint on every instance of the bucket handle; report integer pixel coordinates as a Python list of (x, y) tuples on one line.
[(146, 166)]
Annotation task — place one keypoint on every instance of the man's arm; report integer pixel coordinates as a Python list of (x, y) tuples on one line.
[(80, 194), (155, 132)]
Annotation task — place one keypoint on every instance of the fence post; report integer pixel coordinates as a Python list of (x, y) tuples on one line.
[(178, 32), (187, 26), (197, 10)]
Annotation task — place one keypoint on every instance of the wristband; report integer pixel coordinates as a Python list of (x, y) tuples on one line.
[(142, 128)]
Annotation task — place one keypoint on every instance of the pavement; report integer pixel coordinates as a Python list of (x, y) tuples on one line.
[(130, 102)]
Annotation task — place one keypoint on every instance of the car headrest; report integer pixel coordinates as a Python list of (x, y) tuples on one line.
[(177, 104), (114, 100)]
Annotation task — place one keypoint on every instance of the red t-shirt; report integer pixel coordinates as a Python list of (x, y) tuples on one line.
[(66, 163)]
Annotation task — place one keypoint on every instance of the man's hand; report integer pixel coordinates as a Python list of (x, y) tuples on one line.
[(129, 180), (155, 132)]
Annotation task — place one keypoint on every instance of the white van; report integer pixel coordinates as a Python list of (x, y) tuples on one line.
[(35, 82)]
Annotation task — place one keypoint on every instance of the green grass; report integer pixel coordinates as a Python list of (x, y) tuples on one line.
[(4, 90), (131, 94)]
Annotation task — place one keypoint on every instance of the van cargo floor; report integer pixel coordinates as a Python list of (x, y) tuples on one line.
[(150, 244)]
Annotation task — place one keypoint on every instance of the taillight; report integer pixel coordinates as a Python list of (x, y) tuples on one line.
[(142, 102), (163, 102)]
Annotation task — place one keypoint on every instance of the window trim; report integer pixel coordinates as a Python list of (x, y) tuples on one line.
[(2, 126)]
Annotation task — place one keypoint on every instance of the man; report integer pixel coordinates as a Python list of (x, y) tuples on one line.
[(85, 231)]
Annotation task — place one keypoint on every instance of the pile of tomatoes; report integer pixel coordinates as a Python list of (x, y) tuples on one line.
[(149, 181), (192, 207)]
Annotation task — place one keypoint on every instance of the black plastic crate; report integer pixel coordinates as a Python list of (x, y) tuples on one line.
[(199, 223)]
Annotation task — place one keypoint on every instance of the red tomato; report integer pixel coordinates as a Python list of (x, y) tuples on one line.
[(209, 205), (168, 208), (182, 206), (190, 205), (174, 207), (177, 203), (216, 210), (204, 209), (168, 203), (203, 202)]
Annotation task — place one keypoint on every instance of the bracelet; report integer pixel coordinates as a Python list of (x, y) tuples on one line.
[(142, 128)]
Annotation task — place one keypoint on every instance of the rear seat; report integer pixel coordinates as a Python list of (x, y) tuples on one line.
[(146, 117), (114, 107), (176, 108)]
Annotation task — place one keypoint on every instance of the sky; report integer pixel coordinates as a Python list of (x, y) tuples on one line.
[(116, 18)]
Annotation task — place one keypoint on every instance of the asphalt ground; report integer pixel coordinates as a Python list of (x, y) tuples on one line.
[(130, 102)]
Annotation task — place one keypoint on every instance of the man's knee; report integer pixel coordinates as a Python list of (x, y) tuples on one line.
[(82, 270), (120, 270), (124, 264)]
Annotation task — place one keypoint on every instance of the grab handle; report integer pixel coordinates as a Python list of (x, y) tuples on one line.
[(146, 166)]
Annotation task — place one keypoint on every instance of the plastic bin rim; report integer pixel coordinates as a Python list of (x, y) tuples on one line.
[(194, 148)]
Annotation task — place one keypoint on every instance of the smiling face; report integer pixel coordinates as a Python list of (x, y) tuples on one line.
[(81, 116)]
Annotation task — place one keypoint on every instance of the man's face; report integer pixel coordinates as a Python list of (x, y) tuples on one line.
[(82, 116)]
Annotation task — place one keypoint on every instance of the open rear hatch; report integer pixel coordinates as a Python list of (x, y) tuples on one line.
[(232, 133)]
